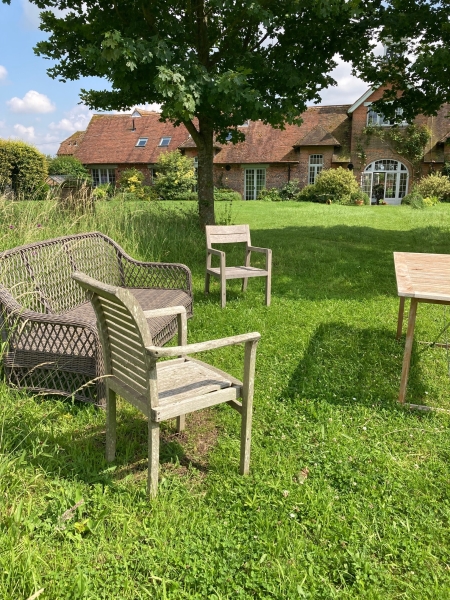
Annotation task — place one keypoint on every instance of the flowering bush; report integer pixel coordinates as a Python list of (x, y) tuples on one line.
[(435, 185), (175, 175)]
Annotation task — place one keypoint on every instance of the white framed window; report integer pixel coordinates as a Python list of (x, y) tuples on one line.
[(374, 118), (315, 167), (100, 176), (165, 141), (141, 142), (255, 181)]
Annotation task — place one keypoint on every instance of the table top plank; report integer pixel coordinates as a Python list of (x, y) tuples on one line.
[(423, 276)]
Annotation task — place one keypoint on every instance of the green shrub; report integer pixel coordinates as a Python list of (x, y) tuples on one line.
[(23, 169), (435, 185), (446, 170), (357, 198), (226, 195), (308, 194), (414, 199), (290, 190), (336, 185), (272, 195), (103, 191), (68, 165), (176, 175), (131, 184), (430, 201)]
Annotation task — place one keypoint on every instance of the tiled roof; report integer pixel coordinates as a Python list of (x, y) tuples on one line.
[(264, 144), (70, 146), (111, 139), (318, 137)]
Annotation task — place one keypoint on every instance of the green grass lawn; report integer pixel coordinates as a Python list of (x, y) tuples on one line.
[(348, 495)]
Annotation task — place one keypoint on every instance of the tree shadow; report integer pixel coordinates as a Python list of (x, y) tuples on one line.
[(346, 365)]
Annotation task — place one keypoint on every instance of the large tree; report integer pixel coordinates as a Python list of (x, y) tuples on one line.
[(211, 64)]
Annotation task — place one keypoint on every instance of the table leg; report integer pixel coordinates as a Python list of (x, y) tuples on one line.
[(401, 309), (408, 349)]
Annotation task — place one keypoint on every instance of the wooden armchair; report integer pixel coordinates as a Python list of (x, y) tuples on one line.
[(216, 234), (169, 389)]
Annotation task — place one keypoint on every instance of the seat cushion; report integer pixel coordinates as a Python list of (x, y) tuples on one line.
[(148, 298)]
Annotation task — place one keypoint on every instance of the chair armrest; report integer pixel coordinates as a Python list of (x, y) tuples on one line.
[(215, 252), (180, 311), (163, 312), (220, 254), (257, 249), (157, 352)]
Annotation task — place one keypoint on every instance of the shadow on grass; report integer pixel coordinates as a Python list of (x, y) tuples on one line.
[(347, 365), (79, 452)]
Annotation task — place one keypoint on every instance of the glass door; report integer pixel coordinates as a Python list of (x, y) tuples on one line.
[(255, 181)]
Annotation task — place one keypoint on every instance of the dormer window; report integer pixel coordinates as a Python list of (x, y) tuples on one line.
[(374, 118), (141, 142), (165, 141)]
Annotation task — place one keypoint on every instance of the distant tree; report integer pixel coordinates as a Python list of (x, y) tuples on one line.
[(68, 165), (176, 175), (416, 65), (211, 65), (22, 168)]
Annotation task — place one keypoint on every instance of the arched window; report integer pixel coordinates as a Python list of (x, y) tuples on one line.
[(386, 180)]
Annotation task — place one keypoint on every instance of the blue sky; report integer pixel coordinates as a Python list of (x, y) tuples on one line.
[(44, 111)]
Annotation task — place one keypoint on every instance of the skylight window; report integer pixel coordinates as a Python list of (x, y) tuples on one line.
[(141, 142), (165, 141)]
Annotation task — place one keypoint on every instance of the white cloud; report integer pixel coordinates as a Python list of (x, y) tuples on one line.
[(32, 102), (27, 134), (30, 15), (2, 124), (348, 89), (76, 119), (3, 73)]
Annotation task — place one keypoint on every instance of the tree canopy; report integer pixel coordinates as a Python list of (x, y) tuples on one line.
[(417, 64)]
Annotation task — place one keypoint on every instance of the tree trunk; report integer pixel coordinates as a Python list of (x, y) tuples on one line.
[(205, 183)]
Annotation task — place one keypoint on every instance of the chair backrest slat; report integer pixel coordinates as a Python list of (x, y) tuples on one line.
[(124, 333), (227, 234)]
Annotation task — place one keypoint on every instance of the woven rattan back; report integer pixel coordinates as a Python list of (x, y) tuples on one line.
[(39, 276), (123, 331)]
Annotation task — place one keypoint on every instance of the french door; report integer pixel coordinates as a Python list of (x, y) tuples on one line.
[(255, 181)]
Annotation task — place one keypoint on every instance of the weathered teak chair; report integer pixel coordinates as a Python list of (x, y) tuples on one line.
[(172, 388), (216, 234)]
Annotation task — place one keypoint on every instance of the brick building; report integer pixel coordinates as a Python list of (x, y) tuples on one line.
[(329, 137)]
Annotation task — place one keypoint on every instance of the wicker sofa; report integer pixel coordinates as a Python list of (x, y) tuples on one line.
[(48, 326)]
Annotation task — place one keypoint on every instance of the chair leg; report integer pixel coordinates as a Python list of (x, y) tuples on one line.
[(153, 458), (181, 423), (207, 280), (268, 289), (110, 425), (247, 406), (244, 284), (223, 292)]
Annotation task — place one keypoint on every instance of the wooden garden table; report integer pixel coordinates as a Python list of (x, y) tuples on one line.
[(423, 278)]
